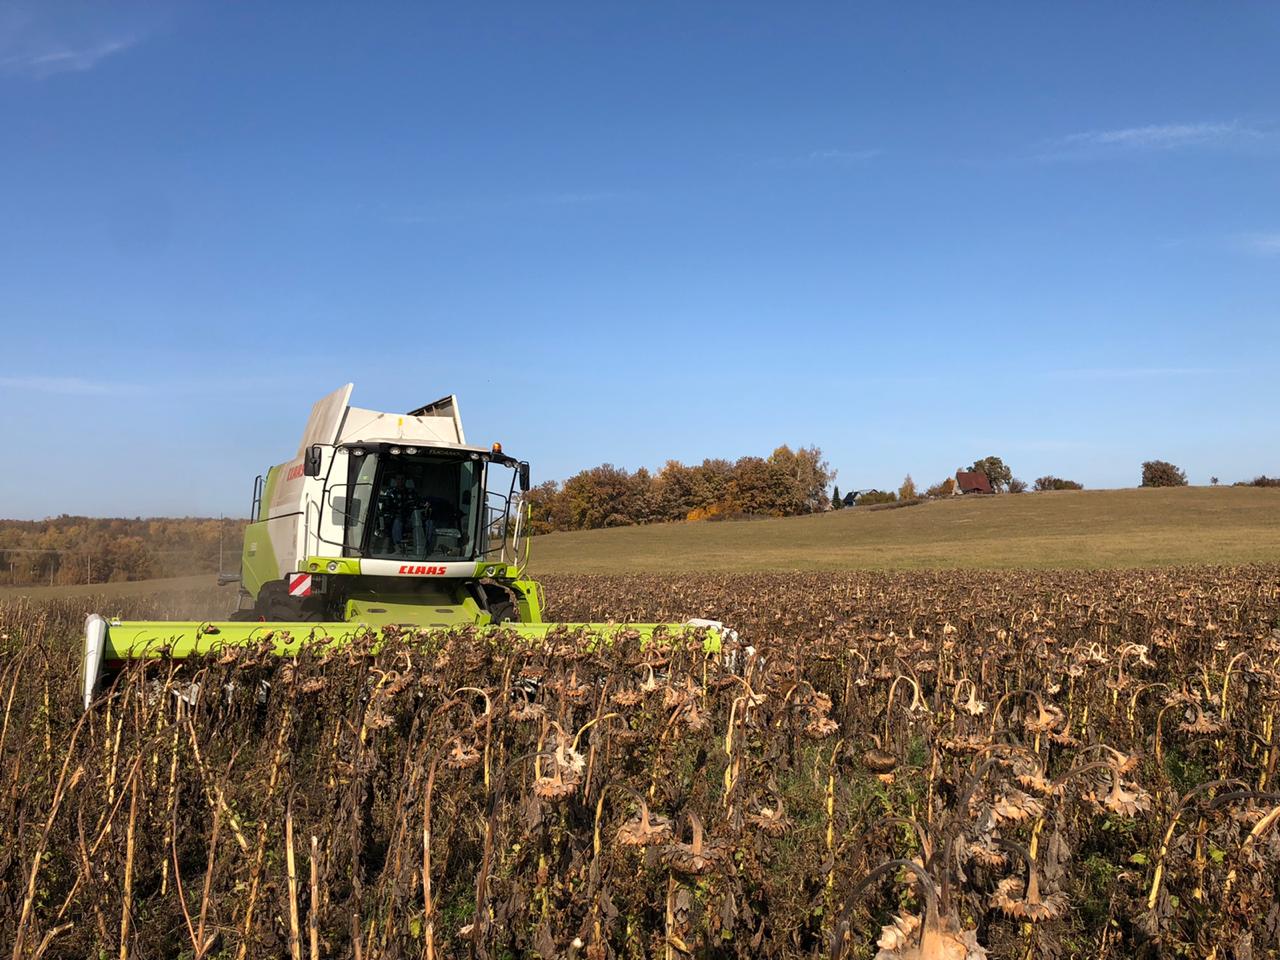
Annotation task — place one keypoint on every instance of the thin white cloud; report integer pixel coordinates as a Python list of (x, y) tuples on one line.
[(1152, 137), (1263, 244), (46, 61), (830, 157), (1130, 373), (67, 386), (1162, 135), (576, 198), (521, 204), (842, 156)]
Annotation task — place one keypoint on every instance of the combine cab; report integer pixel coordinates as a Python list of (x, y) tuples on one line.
[(380, 520)]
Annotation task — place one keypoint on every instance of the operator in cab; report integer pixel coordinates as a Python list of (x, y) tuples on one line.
[(394, 505), (409, 521)]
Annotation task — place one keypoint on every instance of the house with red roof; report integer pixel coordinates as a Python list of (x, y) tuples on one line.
[(973, 481)]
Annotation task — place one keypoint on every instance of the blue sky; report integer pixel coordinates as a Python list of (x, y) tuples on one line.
[(911, 234)]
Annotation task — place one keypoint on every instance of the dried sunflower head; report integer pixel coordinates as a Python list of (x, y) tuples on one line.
[(688, 693), (567, 760), (1063, 739), (1201, 724), (567, 766), (693, 719), (879, 761), (626, 697), (1122, 763), (554, 787), (1247, 814), (1127, 803), (528, 711), (965, 743), (1048, 718), (897, 936), (462, 755), (645, 830), (573, 691), (695, 857), (821, 728), (907, 939), (1036, 781), (985, 853), (771, 820), (1014, 806), (1180, 696), (1013, 900)]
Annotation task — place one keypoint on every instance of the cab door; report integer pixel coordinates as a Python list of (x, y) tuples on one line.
[(343, 505)]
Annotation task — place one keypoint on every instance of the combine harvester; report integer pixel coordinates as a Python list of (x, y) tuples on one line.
[(380, 520)]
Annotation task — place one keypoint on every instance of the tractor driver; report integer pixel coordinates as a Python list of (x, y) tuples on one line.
[(394, 505), (406, 517)]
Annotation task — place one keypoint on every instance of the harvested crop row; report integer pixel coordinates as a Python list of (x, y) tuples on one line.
[(934, 765)]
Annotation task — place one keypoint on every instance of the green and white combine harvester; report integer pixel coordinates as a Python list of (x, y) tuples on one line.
[(380, 520)]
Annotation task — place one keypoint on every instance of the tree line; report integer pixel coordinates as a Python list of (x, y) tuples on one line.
[(68, 550), (786, 483)]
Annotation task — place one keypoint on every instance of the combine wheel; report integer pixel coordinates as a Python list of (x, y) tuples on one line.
[(501, 604), (274, 603), (504, 611)]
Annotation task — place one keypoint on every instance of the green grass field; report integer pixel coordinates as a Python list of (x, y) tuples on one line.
[(1069, 529)]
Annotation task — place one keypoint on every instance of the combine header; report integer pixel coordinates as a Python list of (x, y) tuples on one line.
[(380, 520)]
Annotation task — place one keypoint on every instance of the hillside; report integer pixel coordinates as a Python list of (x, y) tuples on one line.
[(1091, 528), (1069, 529)]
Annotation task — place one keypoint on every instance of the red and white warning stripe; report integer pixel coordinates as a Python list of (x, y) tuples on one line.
[(299, 584)]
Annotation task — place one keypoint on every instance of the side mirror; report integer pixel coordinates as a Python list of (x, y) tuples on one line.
[(524, 476), (311, 462)]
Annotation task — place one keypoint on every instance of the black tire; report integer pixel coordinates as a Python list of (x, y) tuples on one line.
[(242, 613), (274, 603), (504, 611)]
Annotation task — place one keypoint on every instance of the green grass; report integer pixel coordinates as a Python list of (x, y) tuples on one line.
[(1068, 529)]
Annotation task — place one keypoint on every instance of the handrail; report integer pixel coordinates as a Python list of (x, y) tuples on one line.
[(255, 507)]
